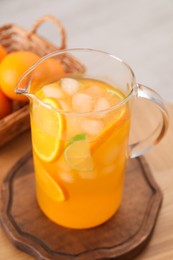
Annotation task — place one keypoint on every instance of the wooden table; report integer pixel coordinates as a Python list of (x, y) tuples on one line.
[(160, 160)]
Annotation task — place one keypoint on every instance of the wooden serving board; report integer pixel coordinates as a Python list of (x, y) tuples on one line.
[(123, 237)]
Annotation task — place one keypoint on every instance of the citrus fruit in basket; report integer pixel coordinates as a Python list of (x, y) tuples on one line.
[(46, 72), (49, 67), (3, 53), (11, 69), (5, 105)]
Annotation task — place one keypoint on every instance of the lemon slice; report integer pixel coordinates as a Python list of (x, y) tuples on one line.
[(78, 157), (50, 186), (47, 130)]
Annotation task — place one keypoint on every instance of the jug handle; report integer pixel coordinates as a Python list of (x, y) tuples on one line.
[(55, 21), (139, 148)]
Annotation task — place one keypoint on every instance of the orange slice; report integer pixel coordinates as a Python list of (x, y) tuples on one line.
[(108, 130), (119, 117), (49, 185), (47, 130)]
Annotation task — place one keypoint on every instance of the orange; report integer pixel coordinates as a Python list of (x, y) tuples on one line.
[(5, 105), (3, 53), (47, 130), (46, 72), (11, 69), (47, 68)]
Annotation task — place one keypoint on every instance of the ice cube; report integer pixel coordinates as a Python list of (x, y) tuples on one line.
[(101, 104), (82, 103), (92, 126), (64, 105), (52, 90), (109, 168), (94, 91), (66, 177), (88, 174), (73, 126), (70, 86)]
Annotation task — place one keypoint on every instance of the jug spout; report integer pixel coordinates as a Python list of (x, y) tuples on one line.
[(23, 84)]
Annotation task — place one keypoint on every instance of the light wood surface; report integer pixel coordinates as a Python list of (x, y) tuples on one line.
[(160, 160)]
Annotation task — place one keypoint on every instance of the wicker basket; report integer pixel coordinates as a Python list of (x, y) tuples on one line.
[(15, 38)]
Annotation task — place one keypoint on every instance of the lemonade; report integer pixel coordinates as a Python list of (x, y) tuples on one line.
[(80, 147)]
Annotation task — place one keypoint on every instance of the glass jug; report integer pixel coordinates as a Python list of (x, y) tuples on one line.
[(80, 122)]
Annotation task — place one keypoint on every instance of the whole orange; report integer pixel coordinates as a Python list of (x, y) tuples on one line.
[(11, 69), (5, 105), (3, 52), (48, 71)]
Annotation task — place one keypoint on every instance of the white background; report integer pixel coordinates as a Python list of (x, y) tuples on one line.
[(138, 31)]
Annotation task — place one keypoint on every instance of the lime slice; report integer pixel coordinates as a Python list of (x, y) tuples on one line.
[(77, 154), (47, 130), (78, 137), (50, 186)]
